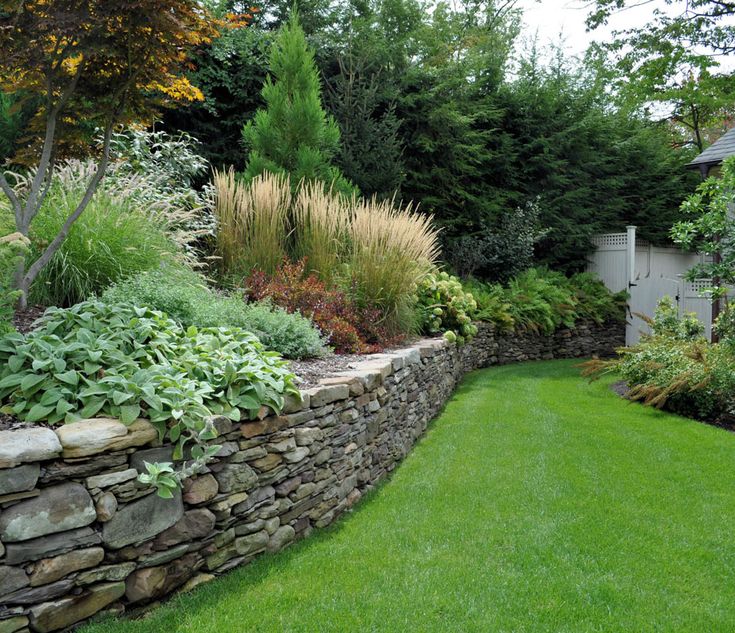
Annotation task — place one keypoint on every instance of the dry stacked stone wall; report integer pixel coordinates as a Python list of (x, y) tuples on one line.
[(79, 535)]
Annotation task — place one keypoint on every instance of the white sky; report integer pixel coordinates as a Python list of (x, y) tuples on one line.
[(550, 18)]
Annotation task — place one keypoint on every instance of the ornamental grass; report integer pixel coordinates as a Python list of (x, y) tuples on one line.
[(391, 249), (252, 220), (375, 251), (321, 226)]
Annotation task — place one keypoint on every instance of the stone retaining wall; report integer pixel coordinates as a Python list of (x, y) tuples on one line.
[(79, 535)]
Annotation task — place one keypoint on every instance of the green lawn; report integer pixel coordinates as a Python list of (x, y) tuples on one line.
[(536, 502)]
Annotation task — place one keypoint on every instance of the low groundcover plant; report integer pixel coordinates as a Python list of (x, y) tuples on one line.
[(128, 362), (185, 297)]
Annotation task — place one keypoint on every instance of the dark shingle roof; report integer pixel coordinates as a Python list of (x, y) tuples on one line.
[(718, 151)]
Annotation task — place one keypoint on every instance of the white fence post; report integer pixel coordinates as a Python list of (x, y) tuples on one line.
[(680, 293), (630, 254)]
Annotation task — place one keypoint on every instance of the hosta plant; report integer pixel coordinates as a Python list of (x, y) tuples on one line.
[(127, 362), (444, 306)]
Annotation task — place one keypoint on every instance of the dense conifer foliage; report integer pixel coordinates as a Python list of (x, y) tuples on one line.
[(439, 106)]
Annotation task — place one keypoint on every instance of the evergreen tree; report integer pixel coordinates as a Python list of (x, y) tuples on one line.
[(230, 73), (293, 134), (449, 118), (593, 169), (370, 153)]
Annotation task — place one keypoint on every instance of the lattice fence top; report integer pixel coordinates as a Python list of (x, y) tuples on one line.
[(699, 288), (699, 285), (615, 240)]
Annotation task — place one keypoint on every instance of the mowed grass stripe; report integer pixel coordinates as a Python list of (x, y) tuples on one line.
[(535, 502)]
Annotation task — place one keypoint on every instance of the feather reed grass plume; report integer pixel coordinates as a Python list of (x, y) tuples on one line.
[(252, 221), (320, 220), (391, 250)]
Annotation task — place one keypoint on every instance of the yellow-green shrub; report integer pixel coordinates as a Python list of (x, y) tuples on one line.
[(444, 306)]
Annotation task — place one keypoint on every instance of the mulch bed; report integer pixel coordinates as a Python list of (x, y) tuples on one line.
[(621, 388), (310, 371), (23, 321), (313, 370), (10, 423)]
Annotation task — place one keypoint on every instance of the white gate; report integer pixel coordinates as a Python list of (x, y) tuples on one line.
[(648, 273)]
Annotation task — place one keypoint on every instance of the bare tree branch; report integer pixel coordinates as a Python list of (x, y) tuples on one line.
[(32, 205), (94, 182), (14, 200), (49, 179)]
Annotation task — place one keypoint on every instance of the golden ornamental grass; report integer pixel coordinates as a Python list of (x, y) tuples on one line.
[(377, 250), (391, 250), (252, 220), (320, 220)]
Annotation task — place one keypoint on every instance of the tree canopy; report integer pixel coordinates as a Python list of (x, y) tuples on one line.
[(86, 64), (670, 65), (439, 104)]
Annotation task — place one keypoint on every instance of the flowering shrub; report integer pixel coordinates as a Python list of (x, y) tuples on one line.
[(443, 306), (666, 322), (348, 328), (725, 325)]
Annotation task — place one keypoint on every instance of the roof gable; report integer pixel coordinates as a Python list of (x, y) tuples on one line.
[(718, 151)]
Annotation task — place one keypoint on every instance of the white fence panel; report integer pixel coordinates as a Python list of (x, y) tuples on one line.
[(693, 301), (648, 273), (608, 261)]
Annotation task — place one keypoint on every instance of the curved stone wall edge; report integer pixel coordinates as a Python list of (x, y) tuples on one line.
[(79, 535)]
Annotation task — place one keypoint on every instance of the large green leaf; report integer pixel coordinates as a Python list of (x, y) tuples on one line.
[(32, 380), (38, 412), (129, 413), (70, 377)]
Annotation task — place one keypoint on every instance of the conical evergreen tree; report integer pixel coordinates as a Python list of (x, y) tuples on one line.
[(293, 135)]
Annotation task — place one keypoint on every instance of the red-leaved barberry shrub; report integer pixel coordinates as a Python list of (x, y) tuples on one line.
[(349, 329)]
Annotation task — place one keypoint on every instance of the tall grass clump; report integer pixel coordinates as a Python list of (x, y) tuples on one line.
[(109, 241), (115, 237), (391, 250), (320, 221), (252, 220)]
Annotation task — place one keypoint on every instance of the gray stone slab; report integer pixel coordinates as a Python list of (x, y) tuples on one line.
[(12, 579), (50, 545), (27, 445), (56, 509), (141, 520), (19, 479)]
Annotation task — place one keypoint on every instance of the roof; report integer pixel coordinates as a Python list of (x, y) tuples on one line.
[(717, 152)]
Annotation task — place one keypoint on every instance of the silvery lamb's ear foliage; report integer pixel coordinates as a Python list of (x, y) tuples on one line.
[(128, 362)]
